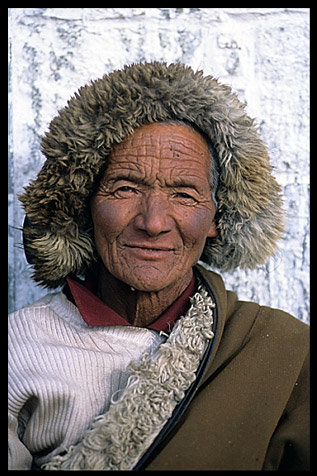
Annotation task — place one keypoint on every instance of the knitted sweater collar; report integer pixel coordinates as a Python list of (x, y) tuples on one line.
[(158, 383)]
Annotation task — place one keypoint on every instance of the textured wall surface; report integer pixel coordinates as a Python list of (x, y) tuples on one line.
[(263, 53)]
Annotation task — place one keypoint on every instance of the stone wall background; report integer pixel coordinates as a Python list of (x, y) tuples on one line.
[(263, 53)]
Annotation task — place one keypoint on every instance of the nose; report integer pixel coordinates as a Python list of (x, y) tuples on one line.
[(154, 217)]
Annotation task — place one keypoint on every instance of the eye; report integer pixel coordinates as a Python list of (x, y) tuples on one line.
[(125, 191), (125, 188), (185, 198), (184, 195)]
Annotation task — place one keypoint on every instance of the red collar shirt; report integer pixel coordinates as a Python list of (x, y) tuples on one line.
[(96, 313)]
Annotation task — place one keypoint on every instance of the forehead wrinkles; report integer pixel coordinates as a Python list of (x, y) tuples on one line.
[(162, 146)]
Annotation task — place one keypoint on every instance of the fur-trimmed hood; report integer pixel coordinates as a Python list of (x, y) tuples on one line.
[(59, 235)]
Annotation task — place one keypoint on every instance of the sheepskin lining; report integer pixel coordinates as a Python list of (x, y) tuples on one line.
[(158, 383)]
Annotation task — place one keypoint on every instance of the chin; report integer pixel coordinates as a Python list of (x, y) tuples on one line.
[(147, 287), (148, 282)]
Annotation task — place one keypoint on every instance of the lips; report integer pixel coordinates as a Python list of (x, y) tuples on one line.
[(151, 248), (147, 251)]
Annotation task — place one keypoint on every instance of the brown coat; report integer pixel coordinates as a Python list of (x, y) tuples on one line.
[(250, 411)]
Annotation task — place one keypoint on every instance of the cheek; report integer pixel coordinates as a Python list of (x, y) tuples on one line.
[(195, 226), (108, 222)]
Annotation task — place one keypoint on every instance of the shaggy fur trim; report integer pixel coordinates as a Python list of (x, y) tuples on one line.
[(102, 114), (59, 254), (119, 438)]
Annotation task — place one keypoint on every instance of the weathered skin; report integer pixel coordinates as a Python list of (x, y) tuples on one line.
[(152, 213)]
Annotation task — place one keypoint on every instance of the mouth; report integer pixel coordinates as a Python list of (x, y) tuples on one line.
[(150, 252)]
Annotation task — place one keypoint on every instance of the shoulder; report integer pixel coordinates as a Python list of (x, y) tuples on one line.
[(287, 333), (276, 335), (32, 312), (275, 342), (283, 322), (264, 317), (43, 317)]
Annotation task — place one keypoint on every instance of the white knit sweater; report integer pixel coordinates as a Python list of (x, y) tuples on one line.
[(51, 404)]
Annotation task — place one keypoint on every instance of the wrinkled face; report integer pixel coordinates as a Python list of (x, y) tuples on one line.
[(153, 209)]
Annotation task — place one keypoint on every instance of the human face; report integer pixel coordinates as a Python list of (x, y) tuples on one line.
[(153, 209)]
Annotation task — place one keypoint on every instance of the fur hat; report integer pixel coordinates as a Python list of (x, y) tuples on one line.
[(59, 236)]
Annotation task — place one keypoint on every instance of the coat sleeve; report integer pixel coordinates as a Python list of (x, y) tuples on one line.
[(19, 458), (289, 446)]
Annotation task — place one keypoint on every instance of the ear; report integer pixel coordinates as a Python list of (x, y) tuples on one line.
[(213, 232)]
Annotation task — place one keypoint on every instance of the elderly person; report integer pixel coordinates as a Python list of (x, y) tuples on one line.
[(143, 360)]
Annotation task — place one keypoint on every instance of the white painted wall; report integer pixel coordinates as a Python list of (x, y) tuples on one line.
[(263, 53)]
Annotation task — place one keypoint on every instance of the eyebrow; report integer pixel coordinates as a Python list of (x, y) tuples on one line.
[(177, 183), (127, 178)]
